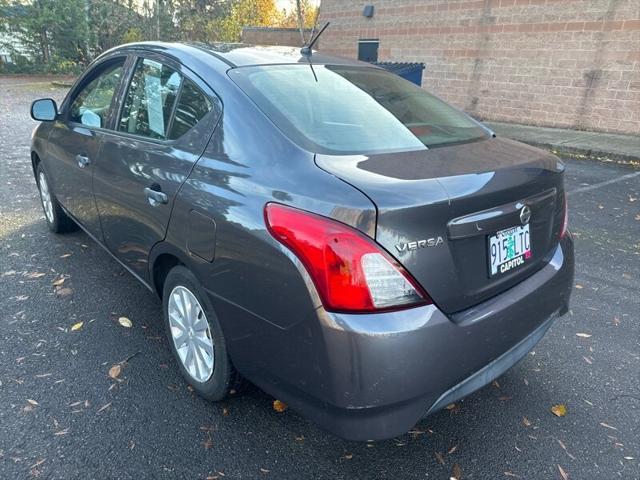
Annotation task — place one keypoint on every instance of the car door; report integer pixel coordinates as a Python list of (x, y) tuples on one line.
[(76, 137), (166, 119)]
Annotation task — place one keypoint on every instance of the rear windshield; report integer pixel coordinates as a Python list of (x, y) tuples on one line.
[(346, 109)]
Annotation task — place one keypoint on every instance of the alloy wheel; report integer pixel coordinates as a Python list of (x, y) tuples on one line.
[(191, 334), (45, 197)]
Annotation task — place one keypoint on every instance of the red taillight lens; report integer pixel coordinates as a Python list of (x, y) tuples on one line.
[(350, 271), (565, 219)]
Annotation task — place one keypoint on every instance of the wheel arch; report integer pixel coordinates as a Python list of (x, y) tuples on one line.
[(162, 258), (35, 161)]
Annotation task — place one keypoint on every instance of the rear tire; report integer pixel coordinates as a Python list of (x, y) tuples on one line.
[(195, 336), (57, 220)]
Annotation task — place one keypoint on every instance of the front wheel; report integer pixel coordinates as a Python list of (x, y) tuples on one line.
[(57, 220), (195, 336)]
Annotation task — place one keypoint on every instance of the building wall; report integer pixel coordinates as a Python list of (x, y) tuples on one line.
[(558, 63), (275, 36)]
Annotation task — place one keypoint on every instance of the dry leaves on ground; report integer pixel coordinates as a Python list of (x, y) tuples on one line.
[(583, 335), (35, 275), (279, 406), (115, 370), (559, 410), (76, 326), (125, 322), (64, 291), (563, 474), (456, 472)]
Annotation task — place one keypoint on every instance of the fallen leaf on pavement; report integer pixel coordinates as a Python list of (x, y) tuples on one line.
[(104, 407), (606, 425), (452, 449), (38, 463), (526, 422), (66, 255), (279, 406), (34, 275), (63, 292), (114, 371), (564, 447), (208, 443), (76, 326), (125, 322), (440, 458), (264, 470), (559, 410), (456, 472), (32, 402), (583, 335), (58, 282), (579, 287), (565, 475)]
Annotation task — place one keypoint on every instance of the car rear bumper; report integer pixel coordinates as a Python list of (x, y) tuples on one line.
[(379, 374)]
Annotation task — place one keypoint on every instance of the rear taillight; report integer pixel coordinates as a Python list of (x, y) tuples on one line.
[(565, 219), (350, 271)]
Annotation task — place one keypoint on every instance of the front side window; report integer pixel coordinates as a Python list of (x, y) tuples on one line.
[(91, 106), (353, 110), (150, 100)]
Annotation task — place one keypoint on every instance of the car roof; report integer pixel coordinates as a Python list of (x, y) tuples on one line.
[(239, 54)]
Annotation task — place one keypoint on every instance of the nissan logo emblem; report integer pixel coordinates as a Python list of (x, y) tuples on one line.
[(525, 215)]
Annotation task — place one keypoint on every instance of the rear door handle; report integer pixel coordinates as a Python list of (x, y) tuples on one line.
[(155, 196), (82, 160)]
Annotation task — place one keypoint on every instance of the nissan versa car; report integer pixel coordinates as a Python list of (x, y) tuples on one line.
[(327, 230)]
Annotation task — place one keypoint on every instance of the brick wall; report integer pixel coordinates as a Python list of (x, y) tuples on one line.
[(275, 36), (558, 63)]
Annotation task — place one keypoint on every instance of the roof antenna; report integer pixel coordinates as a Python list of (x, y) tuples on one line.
[(306, 50)]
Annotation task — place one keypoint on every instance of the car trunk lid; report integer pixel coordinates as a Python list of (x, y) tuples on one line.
[(438, 207)]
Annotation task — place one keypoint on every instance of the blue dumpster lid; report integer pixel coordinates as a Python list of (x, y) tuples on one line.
[(400, 67)]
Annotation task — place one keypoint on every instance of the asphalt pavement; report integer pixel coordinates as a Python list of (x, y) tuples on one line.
[(63, 417)]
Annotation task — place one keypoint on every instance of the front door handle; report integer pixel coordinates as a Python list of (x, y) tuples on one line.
[(82, 160), (155, 196)]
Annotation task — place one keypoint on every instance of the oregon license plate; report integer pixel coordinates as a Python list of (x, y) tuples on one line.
[(508, 249)]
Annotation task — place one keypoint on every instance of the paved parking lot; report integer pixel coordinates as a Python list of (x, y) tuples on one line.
[(62, 416)]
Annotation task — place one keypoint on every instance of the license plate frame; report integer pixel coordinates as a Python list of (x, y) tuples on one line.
[(508, 249)]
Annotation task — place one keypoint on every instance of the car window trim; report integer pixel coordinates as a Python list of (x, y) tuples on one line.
[(175, 107), (82, 82)]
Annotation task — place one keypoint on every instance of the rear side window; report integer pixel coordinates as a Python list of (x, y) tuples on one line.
[(193, 105), (351, 109), (91, 105), (150, 100)]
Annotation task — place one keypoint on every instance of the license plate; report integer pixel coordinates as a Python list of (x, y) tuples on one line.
[(508, 249)]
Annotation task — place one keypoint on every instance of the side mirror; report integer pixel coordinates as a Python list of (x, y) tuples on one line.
[(44, 110)]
